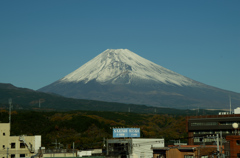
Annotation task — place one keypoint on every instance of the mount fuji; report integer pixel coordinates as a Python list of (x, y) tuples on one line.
[(119, 75)]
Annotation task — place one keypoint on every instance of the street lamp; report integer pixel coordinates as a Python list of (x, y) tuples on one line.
[(235, 126)]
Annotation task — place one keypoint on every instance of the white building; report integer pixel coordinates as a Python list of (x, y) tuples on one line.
[(89, 152), (133, 148), (237, 110), (17, 146)]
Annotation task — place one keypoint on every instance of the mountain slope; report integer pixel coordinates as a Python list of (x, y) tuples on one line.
[(119, 75), (23, 99)]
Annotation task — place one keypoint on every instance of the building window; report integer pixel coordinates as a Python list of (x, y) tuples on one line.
[(209, 139), (161, 156), (204, 123), (3, 146), (12, 155), (22, 145), (22, 155), (238, 155), (13, 145), (238, 142), (3, 134), (188, 156), (227, 153)]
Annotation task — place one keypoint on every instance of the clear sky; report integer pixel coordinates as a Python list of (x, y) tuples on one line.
[(42, 41)]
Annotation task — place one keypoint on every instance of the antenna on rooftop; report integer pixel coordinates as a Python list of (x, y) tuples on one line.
[(230, 104), (10, 106)]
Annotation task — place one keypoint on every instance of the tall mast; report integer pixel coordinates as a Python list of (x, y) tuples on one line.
[(10, 106), (230, 104)]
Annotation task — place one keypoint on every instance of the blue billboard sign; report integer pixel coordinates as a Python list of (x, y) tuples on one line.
[(134, 132), (120, 132), (126, 132)]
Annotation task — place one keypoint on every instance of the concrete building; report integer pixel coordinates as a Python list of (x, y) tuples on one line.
[(201, 128), (133, 147), (92, 152), (186, 151), (237, 110), (17, 146)]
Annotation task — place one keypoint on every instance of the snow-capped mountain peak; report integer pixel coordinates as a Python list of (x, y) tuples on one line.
[(121, 66), (119, 75)]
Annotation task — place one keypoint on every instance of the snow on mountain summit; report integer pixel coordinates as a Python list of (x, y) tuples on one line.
[(121, 66), (119, 75)]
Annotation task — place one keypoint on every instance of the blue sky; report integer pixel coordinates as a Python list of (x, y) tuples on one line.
[(42, 41)]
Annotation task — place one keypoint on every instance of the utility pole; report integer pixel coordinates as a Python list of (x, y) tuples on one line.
[(107, 147), (217, 146), (221, 143), (10, 106), (230, 104), (104, 142), (73, 148), (216, 138)]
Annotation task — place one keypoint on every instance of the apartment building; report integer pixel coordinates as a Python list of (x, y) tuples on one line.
[(203, 129), (17, 146), (186, 151)]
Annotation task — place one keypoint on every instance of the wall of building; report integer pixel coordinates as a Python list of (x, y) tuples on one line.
[(237, 111), (11, 146), (173, 153), (176, 153), (142, 147), (234, 141), (89, 152), (183, 151), (59, 155), (202, 126), (38, 142), (134, 147), (87, 157)]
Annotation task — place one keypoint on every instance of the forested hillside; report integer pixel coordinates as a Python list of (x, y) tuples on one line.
[(88, 128)]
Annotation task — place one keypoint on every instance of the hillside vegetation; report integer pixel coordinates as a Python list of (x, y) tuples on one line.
[(60, 118), (88, 128)]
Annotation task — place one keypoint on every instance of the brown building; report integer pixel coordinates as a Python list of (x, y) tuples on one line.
[(201, 129), (234, 146), (186, 151)]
